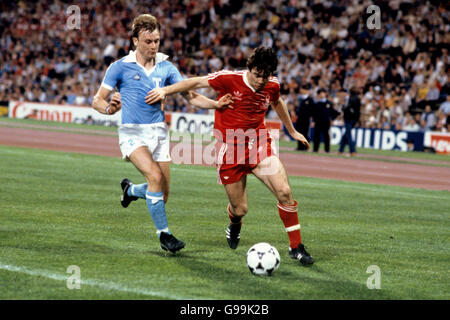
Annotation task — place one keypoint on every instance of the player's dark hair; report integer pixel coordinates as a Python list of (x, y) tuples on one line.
[(263, 59), (144, 22)]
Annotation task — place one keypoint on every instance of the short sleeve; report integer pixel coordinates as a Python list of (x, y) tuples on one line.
[(217, 81), (112, 76), (174, 76), (276, 90)]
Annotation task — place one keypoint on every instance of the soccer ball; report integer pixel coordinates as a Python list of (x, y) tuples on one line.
[(263, 259)]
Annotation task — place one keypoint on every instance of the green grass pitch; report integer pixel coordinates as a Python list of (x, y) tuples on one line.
[(61, 209)]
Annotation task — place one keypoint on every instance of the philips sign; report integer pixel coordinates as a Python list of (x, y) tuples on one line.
[(380, 139)]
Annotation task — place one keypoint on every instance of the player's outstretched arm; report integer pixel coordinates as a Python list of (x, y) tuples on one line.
[(100, 104), (281, 109), (158, 94), (203, 102)]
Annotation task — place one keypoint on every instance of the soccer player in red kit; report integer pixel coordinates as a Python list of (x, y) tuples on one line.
[(244, 145)]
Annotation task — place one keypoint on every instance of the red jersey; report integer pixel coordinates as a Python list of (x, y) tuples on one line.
[(249, 106)]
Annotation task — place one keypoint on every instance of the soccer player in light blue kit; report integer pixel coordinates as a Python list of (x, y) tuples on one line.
[(143, 134)]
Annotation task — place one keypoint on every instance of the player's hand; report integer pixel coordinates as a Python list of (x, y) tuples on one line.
[(225, 102), (299, 137), (155, 95), (115, 104)]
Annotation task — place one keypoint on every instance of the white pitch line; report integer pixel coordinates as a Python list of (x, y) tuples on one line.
[(92, 282)]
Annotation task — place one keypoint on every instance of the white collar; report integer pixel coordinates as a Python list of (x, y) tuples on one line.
[(244, 77), (131, 58)]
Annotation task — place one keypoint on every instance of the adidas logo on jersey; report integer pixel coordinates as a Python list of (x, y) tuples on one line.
[(137, 77), (237, 95)]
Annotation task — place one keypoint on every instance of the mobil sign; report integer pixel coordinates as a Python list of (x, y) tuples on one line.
[(59, 113)]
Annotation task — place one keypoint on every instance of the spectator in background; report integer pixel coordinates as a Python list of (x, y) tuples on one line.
[(323, 113), (32, 115), (445, 106), (441, 124), (383, 115), (304, 113), (411, 125), (417, 119), (395, 124), (89, 120), (321, 43), (291, 110), (410, 144), (352, 113), (428, 119), (384, 123), (433, 93)]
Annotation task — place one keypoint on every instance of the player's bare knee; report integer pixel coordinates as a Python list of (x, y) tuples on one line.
[(154, 178), (284, 194), (240, 210)]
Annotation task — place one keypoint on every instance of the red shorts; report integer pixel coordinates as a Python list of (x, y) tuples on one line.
[(237, 159)]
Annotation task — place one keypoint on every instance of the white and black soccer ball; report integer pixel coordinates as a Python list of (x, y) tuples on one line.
[(263, 259)]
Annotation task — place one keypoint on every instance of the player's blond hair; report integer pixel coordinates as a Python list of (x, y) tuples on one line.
[(144, 22)]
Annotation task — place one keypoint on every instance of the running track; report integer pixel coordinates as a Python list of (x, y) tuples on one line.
[(300, 164)]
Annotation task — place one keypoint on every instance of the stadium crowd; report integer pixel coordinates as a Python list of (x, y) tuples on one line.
[(401, 69)]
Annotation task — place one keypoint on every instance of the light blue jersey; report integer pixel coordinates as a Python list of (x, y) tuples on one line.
[(134, 82)]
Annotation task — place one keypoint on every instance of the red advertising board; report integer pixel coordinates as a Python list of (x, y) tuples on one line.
[(440, 142)]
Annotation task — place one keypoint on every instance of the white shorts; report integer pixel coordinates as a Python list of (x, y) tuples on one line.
[(155, 136)]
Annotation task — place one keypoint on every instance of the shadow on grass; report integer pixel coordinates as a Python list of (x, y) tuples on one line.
[(308, 283)]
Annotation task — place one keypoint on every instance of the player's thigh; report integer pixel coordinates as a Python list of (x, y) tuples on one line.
[(272, 173), (142, 159), (237, 195)]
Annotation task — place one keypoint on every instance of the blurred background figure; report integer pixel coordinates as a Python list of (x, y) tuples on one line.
[(323, 113), (428, 119), (352, 112), (33, 115), (304, 113)]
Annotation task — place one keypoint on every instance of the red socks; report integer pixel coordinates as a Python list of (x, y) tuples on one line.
[(289, 216)]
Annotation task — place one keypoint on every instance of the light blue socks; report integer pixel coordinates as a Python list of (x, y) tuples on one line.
[(138, 190), (157, 209)]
